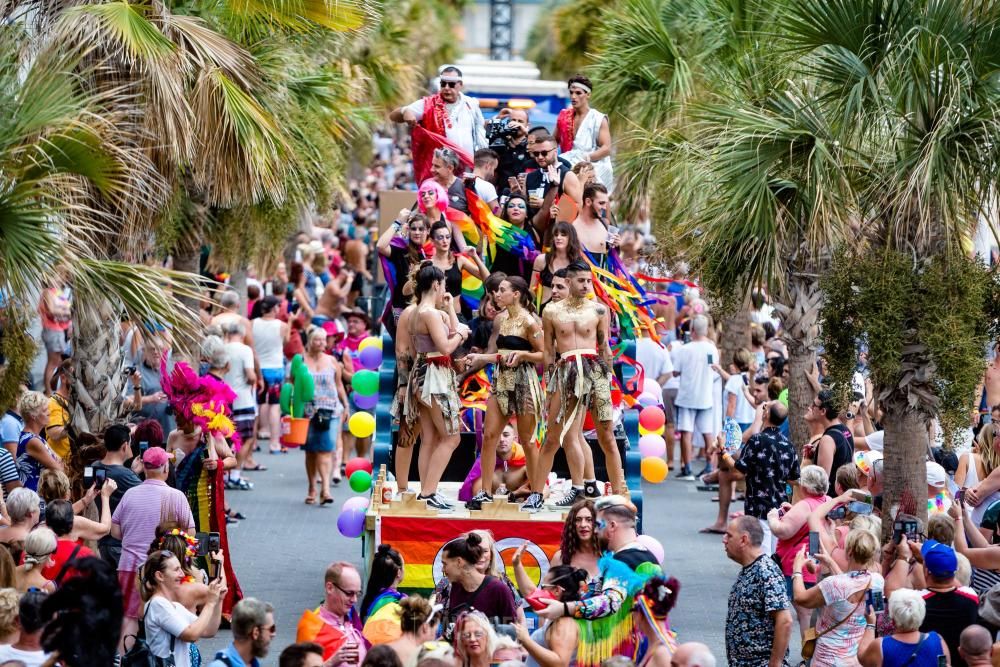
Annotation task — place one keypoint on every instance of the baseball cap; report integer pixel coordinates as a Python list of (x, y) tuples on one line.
[(865, 460), (936, 476), (939, 559), (155, 457)]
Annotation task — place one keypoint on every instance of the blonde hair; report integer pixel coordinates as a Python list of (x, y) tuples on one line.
[(489, 542), (9, 601), (963, 573), (862, 546), (53, 485), (869, 522), (479, 619), (985, 445), (39, 546), (33, 403)]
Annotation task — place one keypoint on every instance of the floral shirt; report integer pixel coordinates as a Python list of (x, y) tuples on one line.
[(769, 461), (759, 591)]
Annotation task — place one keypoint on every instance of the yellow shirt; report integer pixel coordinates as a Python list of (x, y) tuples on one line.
[(58, 416)]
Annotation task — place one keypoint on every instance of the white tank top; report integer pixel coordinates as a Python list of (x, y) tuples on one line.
[(267, 342), (971, 480)]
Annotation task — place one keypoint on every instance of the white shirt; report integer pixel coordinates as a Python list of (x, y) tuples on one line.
[(674, 382), (240, 359), (735, 385), (694, 363), (29, 658), (468, 128), (485, 190), (654, 358), (165, 619)]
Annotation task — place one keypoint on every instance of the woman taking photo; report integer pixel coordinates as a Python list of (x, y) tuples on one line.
[(516, 350), (790, 525), (170, 627), (470, 587), (402, 247), (475, 640), (841, 600), (432, 403), (33, 453), (554, 644), (453, 265), (329, 399), (562, 248), (416, 621)]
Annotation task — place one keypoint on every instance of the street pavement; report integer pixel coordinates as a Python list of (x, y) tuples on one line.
[(283, 547)]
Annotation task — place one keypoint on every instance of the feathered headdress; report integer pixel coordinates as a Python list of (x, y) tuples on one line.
[(205, 401)]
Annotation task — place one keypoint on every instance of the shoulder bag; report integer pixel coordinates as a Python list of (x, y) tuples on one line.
[(812, 635)]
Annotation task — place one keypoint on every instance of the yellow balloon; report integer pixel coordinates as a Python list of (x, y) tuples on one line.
[(362, 424), (368, 342), (643, 431), (654, 469)]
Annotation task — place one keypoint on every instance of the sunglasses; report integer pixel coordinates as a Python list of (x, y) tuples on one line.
[(540, 153), (450, 84), (347, 594)]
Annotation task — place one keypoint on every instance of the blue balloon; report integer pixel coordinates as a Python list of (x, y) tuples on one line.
[(371, 357), (365, 402)]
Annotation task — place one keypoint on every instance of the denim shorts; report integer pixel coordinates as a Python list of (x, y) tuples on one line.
[(322, 442)]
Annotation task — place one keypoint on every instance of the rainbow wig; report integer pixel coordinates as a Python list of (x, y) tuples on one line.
[(442, 195), (204, 401)]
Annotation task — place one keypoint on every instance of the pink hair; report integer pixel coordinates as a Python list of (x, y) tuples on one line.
[(442, 195)]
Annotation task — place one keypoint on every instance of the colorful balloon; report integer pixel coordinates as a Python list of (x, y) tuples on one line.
[(649, 569), (361, 424), (652, 445), (653, 546), (654, 470), (360, 481), (645, 431), (356, 503), (371, 357), (358, 463), (351, 522), (371, 341), (365, 402), (651, 386), (651, 418), (365, 382), (647, 399)]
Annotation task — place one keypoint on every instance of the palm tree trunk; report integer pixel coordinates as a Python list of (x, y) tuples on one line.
[(188, 258), (800, 326), (735, 334), (904, 472), (97, 357)]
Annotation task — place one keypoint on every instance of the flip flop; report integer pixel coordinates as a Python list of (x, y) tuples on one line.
[(256, 468), (310, 500), (712, 531)]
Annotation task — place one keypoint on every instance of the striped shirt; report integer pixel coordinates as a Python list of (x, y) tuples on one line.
[(140, 511), (8, 469)]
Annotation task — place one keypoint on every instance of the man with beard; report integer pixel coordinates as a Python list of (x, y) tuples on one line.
[(590, 226), (547, 185), (253, 630), (514, 158)]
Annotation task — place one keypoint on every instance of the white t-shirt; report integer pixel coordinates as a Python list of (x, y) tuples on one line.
[(467, 126), (694, 363), (654, 358), (674, 382), (485, 190), (876, 440), (744, 411), (165, 619), (240, 359), (29, 658)]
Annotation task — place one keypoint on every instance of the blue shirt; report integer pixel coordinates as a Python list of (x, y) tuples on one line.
[(233, 657), (10, 427)]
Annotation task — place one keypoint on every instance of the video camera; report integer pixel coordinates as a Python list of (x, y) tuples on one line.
[(500, 132)]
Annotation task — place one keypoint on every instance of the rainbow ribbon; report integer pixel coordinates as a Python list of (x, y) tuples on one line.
[(497, 232), (624, 296)]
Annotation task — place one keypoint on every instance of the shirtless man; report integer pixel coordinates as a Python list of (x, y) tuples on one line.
[(989, 394), (331, 303), (577, 330), (589, 225)]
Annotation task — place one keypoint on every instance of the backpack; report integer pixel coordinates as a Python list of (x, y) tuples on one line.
[(141, 656)]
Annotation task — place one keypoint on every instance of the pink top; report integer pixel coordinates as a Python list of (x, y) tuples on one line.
[(352, 633), (787, 549), (140, 511)]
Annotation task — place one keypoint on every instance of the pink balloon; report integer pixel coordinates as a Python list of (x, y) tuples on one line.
[(651, 418), (651, 386), (355, 503), (653, 546), (652, 445)]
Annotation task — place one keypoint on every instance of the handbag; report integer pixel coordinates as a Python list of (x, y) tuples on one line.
[(139, 655), (322, 419), (812, 635)]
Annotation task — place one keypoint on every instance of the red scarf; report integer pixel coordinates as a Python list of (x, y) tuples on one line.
[(564, 129), (431, 133)]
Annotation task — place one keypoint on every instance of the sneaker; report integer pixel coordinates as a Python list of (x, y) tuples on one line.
[(476, 503), (706, 470), (685, 474), (443, 499), (591, 490), (533, 503), (568, 499), (238, 485), (433, 501)]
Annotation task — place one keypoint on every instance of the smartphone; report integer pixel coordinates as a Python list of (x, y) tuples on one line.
[(88, 476), (907, 527), (129, 371), (861, 495), (960, 496), (859, 507), (837, 513), (711, 359), (100, 475), (875, 601), (814, 547), (208, 543), (143, 446)]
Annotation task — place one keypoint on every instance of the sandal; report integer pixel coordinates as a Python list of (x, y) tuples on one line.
[(325, 500), (311, 498), (257, 467)]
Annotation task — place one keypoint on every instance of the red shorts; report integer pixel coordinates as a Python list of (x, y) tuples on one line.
[(129, 583)]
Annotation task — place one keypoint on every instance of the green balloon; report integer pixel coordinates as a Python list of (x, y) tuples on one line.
[(285, 399), (360, 481), (365, 382), (649, 570)]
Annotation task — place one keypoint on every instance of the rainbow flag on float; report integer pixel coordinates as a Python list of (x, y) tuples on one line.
[(420, 543)]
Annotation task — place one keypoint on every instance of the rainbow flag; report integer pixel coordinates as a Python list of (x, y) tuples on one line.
[(420, 544)]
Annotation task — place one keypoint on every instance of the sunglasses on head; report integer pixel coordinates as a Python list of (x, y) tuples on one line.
[(450, 84)]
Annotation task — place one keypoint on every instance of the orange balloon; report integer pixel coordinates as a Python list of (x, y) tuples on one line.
[(654, 469)]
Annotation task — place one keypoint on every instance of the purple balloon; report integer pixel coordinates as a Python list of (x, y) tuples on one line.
[(371, 357), (365, 402), (351, 522)]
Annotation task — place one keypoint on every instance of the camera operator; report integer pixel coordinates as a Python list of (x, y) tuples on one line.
[(507, 135)]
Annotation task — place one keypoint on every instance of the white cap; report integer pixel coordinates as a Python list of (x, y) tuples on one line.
[(936, 476)]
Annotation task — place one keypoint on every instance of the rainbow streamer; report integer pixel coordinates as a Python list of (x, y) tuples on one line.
[(623, 294), (497, 232)]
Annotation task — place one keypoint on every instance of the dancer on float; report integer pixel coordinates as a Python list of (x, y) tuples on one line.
[(516, 350), (576, 329), (432, 403), (404, 362), (403, 256), (562, 249), (453, 264)]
